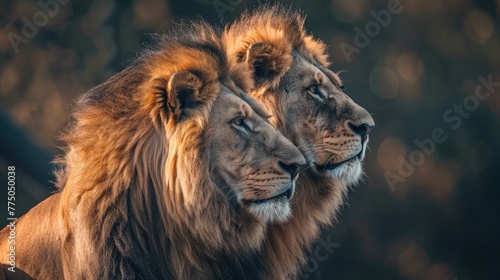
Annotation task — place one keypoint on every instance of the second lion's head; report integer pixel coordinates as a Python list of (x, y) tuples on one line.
[(307, 100)]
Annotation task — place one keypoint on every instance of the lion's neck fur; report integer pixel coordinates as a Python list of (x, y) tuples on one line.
[(314, 205)]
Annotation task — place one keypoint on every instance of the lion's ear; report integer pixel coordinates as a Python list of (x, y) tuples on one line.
[(267, 61), (183, 90)]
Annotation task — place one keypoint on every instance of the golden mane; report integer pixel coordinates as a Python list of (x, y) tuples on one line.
[(283, 29)]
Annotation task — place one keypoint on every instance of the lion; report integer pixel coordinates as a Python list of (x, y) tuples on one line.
[(171, 171), (309, 106)]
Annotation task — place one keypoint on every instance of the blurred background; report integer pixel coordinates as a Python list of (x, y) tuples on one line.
[(427, 70)]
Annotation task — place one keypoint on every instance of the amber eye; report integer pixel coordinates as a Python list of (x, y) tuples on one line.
[(312, 89), (238, 121), (240, 124)]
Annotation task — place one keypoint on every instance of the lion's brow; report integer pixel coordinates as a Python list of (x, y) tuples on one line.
[(332, 77), (252, 103)]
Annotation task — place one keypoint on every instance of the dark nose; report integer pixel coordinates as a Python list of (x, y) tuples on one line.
[(289, 168), (362, 129)]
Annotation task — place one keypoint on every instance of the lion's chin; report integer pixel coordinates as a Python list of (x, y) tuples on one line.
[(274, 211), (348, 172)]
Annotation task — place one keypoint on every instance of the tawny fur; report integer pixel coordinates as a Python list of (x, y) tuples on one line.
[(282, 29), (318, 197)]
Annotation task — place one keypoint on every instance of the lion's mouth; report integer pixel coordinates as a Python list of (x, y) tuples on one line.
[(332, 166), (288, 192)]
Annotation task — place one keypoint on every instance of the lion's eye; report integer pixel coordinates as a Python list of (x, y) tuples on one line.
[(238, 121), (240, 124), (342, 87), (312, 89)]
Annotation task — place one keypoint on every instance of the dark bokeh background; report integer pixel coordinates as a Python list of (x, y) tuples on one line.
[(438, 222)]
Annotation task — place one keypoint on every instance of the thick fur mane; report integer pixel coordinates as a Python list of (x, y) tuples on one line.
[(283, 29), (129, 196), (120, 100)]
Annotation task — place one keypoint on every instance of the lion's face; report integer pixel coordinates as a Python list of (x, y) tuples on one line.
[(310, 108), (253, 163), (329, 128)]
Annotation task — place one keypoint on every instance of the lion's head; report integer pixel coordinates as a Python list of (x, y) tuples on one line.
[(172, 147), (249, 161), (252, 163), (305, 98)]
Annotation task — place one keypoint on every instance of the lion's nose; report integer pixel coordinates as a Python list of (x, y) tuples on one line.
[(362, 129), (288, 156), (358, 119), (289, 168), (290, 159), (361, 124)]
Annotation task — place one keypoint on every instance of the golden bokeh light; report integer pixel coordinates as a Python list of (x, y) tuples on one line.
[(479, 26)]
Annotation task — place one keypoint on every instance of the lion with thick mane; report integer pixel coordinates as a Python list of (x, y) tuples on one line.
[(171, 172), (308, 105)]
